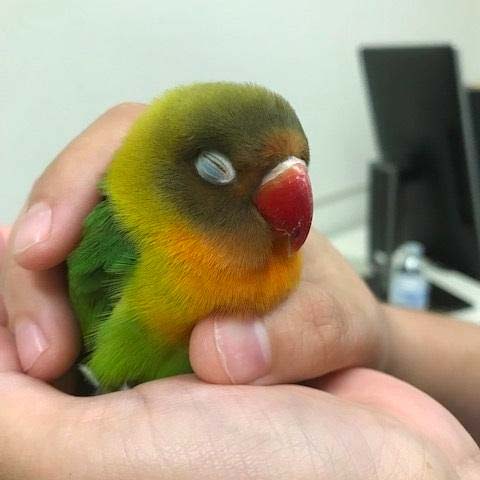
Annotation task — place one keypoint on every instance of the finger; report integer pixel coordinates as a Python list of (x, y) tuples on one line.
[(408, 404), (41, 319), (52, 218), (36, 301), (4, 233), (323, 326), (9, 361), (44, 342), (8, 352), (3, 311)]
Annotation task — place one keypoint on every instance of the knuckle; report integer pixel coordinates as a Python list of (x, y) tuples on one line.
[(325, 327), (323, 313)]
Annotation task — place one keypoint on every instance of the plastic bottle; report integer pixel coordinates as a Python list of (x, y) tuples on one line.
[(408, 285)]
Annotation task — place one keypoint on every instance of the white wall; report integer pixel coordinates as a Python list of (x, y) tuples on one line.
[(63, 63)]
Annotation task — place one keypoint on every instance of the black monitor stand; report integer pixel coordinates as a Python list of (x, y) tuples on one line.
[(384, 186)]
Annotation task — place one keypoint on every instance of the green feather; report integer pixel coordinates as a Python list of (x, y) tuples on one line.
[(98, 268), (153, 173), (116, 344)]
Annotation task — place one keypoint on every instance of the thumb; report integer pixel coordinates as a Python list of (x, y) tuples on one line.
[(331, 321), (230, 350), (304, 338)]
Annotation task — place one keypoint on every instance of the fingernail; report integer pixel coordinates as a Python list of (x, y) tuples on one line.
[(31, 342), (244, 349), (34, 227)]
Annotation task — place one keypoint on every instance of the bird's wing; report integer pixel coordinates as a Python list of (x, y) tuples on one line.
[(99, 268)]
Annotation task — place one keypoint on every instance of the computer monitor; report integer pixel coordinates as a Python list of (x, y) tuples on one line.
[(474, 101), (423, 129)]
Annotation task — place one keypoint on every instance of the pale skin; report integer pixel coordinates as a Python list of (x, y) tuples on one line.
[(355, 424)]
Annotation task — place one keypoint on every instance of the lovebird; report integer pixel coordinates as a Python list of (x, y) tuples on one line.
[(204, 208)]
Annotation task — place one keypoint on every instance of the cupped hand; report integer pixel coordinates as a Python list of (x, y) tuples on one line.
[(363, 425), (330, 322), (32, 282)]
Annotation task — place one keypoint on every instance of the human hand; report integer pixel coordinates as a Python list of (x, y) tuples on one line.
[(154, 422), (363, 425), (330, 322), (32, 280)]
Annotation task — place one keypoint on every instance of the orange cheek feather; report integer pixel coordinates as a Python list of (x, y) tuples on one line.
[(186, 276)]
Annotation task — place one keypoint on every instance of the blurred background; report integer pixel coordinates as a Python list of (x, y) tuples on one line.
[(65, 63)]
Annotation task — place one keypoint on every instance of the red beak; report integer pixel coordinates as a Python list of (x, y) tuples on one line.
[(284, 199)]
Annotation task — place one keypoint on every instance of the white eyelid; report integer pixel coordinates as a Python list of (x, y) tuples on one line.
[(216, 168)]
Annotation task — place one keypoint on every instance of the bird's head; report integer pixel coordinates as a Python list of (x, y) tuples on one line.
[(231, 158)]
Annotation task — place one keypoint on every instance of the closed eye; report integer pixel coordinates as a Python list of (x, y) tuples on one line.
[(215, 168)]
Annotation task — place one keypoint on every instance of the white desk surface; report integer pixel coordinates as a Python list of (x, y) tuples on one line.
[(352, 244)]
